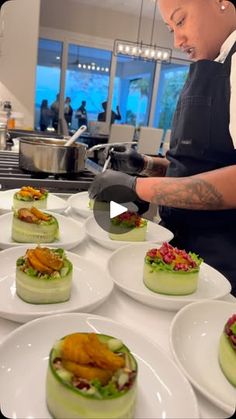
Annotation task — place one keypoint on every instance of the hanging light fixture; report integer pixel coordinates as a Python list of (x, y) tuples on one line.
[(140, 50)]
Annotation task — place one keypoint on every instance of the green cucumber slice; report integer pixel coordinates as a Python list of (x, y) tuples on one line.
[(66, 401), (114, 344), (36, 290), (227, 359), (134, 235), (26, 203), (169, 282), (23, 232), (63, 402)]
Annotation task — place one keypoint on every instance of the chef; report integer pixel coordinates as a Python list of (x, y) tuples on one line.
[(195, 184)]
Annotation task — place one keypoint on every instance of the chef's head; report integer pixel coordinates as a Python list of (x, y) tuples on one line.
[(200, 27)]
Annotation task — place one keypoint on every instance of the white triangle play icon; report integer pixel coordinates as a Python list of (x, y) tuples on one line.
[(116, 209)]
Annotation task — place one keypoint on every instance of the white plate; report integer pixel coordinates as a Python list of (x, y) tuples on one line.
[(155, 233), (54, 203), (79, 203), (90, 287), (194, 338), (71, 232), (125, 266), (163, 391)]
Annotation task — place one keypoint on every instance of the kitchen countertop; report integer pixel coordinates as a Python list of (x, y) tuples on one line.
[(151, 322)]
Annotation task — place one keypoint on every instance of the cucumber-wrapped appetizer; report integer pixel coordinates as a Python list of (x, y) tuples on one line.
[(169, 270), (28, 196), (91, 204), (30, 225), (128, 226), (227, 350), (98, 205), (44, 276), (91, 376)]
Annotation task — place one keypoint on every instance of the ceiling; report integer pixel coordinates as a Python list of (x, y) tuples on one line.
[(129, 6)]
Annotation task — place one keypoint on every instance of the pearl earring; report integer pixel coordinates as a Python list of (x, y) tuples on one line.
[(222, 7)]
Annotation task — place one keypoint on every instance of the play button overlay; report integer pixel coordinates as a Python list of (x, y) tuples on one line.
[(116, 209), (105, 213)]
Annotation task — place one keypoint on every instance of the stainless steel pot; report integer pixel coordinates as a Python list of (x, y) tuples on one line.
[(49, 155)]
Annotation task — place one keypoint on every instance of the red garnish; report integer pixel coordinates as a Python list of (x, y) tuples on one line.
[(128, 219), (228, 329), (179, 259)]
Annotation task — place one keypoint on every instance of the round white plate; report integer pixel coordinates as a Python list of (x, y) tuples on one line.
[(155, 233), (90, 287), (79, 203), (54, 203), (125, 266), (194, 338), (163, 391), (71, 232)]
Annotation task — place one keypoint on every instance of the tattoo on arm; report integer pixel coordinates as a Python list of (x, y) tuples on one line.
[(188, 193), (159, 167), (157, 171)]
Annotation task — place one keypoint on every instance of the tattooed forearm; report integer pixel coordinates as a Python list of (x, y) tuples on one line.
[(156, 171), (190, 193), (159, 167)]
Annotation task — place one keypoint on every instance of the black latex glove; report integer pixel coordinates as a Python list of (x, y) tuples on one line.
[(128, 161), (118, 187)]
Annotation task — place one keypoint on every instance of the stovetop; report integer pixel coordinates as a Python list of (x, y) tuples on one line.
[(12, 177)]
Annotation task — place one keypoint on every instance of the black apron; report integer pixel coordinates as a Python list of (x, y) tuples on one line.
[(201, 142)]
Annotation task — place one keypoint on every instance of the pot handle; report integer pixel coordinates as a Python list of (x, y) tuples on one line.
[(109, 145)]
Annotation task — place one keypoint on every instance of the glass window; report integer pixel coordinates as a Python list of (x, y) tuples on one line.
[(133, 90), (87, 83), (171, 81), (47, 83)]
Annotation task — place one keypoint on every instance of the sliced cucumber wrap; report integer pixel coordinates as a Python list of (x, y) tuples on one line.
[(227, 359), (169, 282), (91, 203), (100, 206), (35, 290), (66, 401), (45, 232), (137, 234), (37, 203)]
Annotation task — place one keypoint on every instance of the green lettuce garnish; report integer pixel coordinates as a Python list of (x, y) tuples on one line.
[(108, 390), (233, 328)]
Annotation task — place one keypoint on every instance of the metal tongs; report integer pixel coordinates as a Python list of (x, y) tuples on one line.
[(108, 159), (109, 148)]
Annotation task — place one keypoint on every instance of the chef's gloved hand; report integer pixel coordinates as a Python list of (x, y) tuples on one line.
[(128, 161), (103, 188)]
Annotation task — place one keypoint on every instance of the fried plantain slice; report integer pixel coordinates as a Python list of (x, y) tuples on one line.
[(24, 214), (26, 193), (73, 348), (36, 264), (32, 191), (101, 354), (39, 214), (49, 258)]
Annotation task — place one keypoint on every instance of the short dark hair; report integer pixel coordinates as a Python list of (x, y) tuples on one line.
[(234, 2)]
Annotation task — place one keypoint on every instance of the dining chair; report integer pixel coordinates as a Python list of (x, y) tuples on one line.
[(150, 140), (121, 133), (97, 128)]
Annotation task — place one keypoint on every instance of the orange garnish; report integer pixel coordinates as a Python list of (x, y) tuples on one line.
[(39, 214), (36, 264)]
